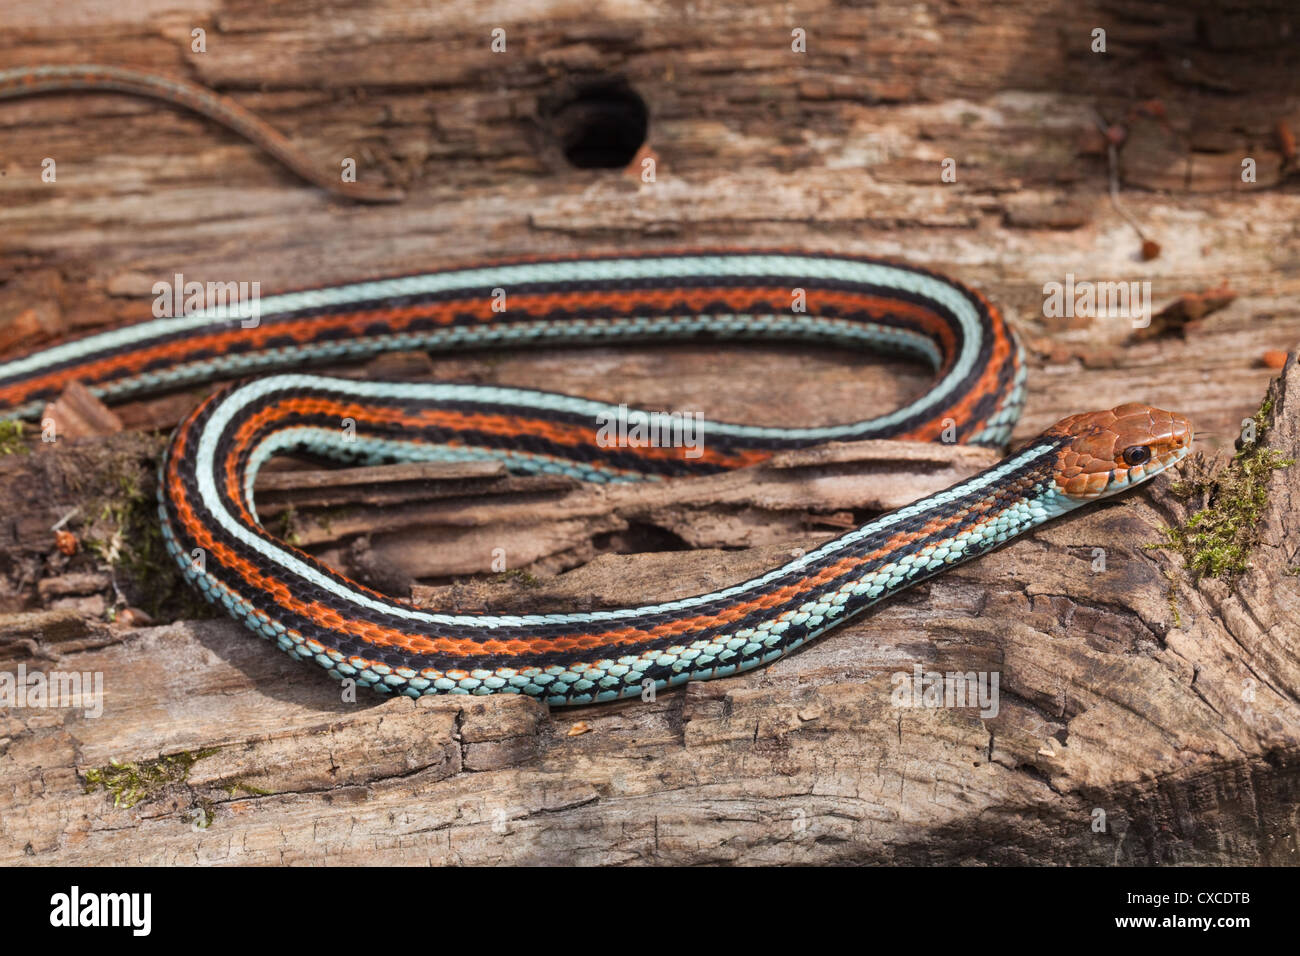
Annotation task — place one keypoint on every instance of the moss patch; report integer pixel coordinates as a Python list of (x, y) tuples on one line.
[(238, 787), (1174, 612), (130, 783), (1217, 540), (520, 576), (288, 527), (120, 527), (201, 815), (11, 438)]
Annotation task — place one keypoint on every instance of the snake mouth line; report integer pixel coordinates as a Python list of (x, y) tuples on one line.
[(1163, 462), (1117, 485)]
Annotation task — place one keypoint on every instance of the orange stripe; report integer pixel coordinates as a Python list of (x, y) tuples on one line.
[(306, 330), (629, 638)]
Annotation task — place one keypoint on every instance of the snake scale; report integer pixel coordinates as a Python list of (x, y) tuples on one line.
[(209, 518)]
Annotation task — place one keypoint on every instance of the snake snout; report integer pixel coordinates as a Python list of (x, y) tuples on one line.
[(1111, 450)]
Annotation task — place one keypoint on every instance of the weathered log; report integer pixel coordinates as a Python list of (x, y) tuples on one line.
[(1144, 716)]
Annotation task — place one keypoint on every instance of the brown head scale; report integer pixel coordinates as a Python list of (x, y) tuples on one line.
[(1115, 449)]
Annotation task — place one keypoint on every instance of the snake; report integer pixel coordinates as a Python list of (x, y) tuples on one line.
[(209, 520)]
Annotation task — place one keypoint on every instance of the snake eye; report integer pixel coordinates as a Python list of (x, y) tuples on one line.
[(1136, 454)]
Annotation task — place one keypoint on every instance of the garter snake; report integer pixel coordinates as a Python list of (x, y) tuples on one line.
[(209, 518)]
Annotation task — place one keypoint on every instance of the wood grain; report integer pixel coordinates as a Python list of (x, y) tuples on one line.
[(1123, 691)]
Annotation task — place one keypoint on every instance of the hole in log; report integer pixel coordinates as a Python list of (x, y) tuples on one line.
[(600, 124), (639, 538)]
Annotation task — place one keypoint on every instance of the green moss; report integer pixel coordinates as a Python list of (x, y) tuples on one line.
[(11, 438), (201, 814), (1217, 540), (120, 527), (525, 578), (130, 783), (238, 787), (1174, 612), (288, 530)]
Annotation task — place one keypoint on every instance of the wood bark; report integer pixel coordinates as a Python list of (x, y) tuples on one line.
[(1133, 696)]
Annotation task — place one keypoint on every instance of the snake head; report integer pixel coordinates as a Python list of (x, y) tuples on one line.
[(1106, 452)]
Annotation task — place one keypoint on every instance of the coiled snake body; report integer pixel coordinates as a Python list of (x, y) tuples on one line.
[(210, 523)]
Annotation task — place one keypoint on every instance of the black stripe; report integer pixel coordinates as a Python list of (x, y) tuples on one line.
[(1009, 489)]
